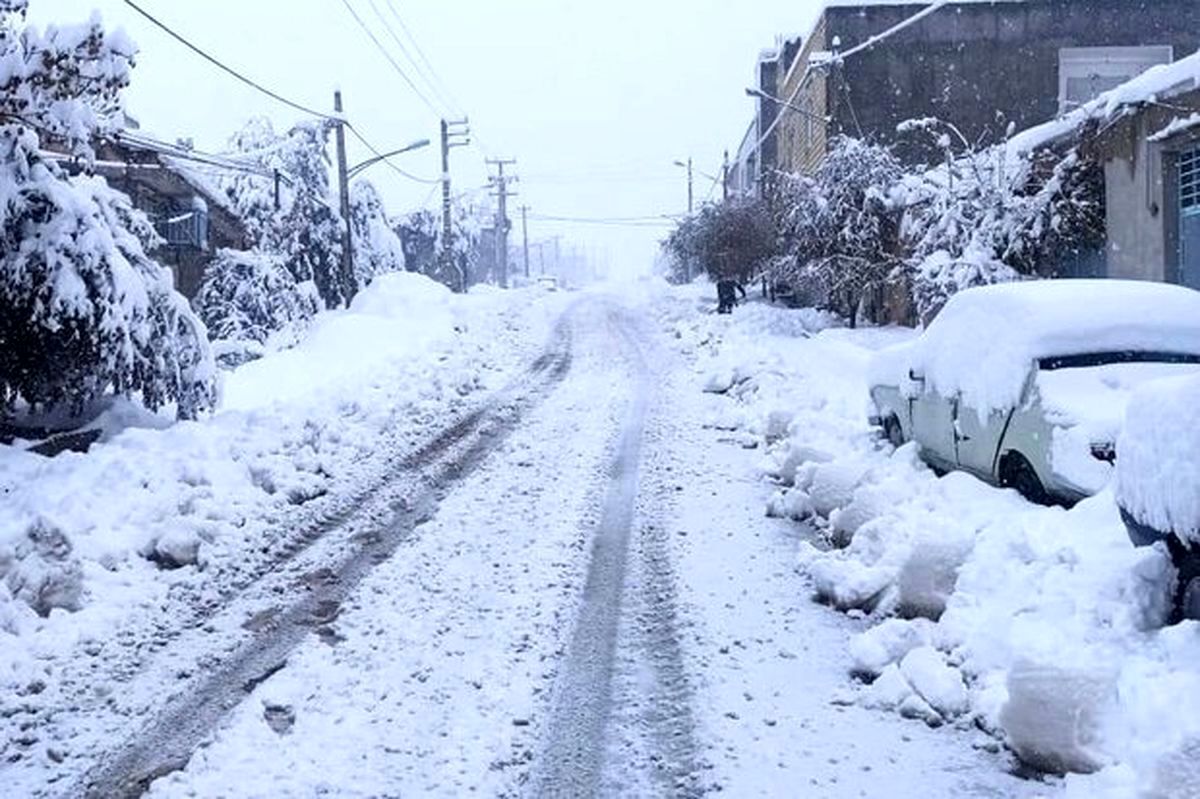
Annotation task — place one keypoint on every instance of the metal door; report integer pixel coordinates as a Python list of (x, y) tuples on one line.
[(933, 427), (1189, 218)]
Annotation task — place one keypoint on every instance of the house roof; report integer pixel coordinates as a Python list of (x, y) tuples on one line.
[(1153, 86)]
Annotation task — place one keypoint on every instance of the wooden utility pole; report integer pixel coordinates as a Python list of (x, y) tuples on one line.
[(691, 194), (451, 138), (344, 193), (525, 235), (500, 182), (725, 176)]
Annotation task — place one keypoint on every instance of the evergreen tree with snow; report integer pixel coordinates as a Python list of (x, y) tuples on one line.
[(305, 231), (377, 248), (248, 297), (84, 311)]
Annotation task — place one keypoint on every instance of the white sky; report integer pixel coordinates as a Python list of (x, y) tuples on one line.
[(595, 99)]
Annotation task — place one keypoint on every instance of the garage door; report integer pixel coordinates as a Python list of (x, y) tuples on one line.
[(1189, 218)]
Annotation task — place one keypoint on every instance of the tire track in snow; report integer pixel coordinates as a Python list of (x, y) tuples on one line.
[(622, 594), (167, 742)]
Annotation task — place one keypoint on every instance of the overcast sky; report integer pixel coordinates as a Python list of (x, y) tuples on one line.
[(595, 99)]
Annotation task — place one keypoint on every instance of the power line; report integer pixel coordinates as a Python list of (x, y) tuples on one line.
[(269, 93), (353, 130), (421, 53), (840, 57), (254, 85), (632, 221), (388, 56), (404, 50)]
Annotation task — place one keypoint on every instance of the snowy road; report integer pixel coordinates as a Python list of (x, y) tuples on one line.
[(571, 592)]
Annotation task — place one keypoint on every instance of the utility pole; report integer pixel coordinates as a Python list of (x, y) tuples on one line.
[(500, 182), (454, 134), (725, 176), (344, 192), (525, 235), (690, 189)]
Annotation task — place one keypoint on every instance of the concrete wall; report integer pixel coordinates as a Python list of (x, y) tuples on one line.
[(985, 65), (1141, 189), (1135, 207)]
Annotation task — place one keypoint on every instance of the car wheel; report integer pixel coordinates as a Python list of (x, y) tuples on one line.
[(1016, 472), (893, 432), (1187, 581)]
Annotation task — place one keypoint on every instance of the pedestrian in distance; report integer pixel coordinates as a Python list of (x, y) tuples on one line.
[(727, 291)]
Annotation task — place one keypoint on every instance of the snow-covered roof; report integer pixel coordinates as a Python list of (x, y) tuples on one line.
[(1154, 85), (985, 340)]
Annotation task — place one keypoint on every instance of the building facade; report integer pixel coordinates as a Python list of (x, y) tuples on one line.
[(985, 67), (1152, 189)]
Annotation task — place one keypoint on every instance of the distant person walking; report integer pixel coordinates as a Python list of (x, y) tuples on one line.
[(727, 291)]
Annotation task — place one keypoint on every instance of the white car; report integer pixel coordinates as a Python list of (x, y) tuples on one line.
[(1025, 384)]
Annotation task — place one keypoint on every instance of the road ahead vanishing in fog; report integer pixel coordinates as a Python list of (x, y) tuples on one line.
[(572, 591)]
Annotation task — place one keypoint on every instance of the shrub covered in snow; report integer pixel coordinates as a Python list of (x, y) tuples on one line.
[(839, 229), (83, 309), (247, 296), (733, 239), (377, 248), (988, 215)]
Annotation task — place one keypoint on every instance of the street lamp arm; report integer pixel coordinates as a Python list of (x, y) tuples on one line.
[(370, 162)]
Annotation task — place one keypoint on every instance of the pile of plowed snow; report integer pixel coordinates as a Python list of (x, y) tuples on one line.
[(1043, 626)]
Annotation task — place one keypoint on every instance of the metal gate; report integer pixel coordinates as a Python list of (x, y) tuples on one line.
[(1189, 218)]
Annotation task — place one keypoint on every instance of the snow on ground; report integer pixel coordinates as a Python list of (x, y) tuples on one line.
[(104, 543), (439, 678), (1042, 626), (772, 667)]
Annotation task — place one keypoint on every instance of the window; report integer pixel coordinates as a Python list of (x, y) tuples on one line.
[(1189, 182), (1085, 73)]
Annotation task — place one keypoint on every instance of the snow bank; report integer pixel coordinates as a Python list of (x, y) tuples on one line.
[(90, 542), (985, 340), (1042, 626), (1158, 469)]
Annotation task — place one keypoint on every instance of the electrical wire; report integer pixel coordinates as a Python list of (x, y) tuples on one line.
[(404, 50), (867, 44), (388, 162), (421, 54), (387, 54), (252, 84), (340, 120)]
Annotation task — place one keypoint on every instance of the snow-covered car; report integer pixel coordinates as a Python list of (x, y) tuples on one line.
[(548, 282), (1025, 384), (1158, 479)]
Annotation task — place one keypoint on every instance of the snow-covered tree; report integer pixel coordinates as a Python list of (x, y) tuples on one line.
[(987, 215), (247, 297), (840, 228), (377, 248), (418, 234), (306, 231), (732, 239), (84, 311)]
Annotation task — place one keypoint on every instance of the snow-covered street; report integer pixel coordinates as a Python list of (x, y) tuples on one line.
[(572, 591), (600, 399)]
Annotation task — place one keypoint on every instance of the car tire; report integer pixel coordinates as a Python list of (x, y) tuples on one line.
[(1018, 473), (1187, 581), (893, 432)]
